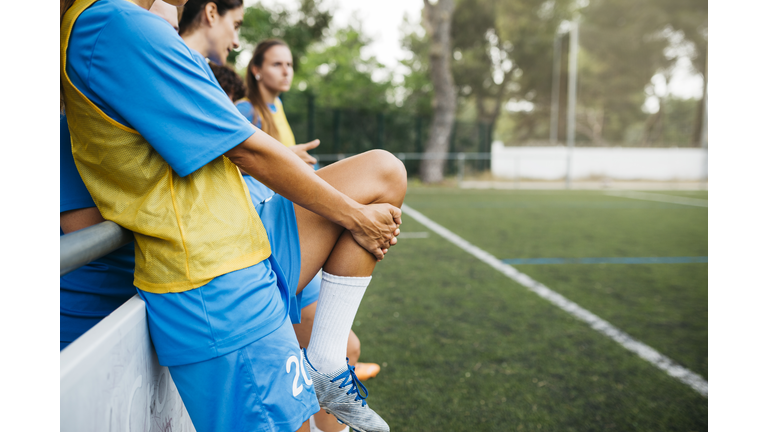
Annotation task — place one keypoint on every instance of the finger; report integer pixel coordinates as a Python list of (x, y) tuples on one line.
[(309, 159), (384, 251), (378, 254), (397, 232), (396, 215), (393, 241), (310, 145)]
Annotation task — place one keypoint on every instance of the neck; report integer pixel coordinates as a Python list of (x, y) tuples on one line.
[(146, 4), (197, 41), (268, 95)]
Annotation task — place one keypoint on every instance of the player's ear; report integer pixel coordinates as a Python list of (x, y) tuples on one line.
[(211, 13)]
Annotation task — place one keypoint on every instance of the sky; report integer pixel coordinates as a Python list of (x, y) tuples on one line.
[(382, 22)]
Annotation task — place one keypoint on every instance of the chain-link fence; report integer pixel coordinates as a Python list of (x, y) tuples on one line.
[(344, 132)]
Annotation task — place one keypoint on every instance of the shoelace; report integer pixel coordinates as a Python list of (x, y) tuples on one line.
[(351, 379)]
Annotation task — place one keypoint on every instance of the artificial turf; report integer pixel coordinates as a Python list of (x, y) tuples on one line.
[(465, 348)]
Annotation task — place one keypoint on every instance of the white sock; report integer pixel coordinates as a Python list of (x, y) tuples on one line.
[(337, 305)]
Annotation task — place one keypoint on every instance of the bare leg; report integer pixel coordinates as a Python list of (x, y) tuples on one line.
[(372, 177), (304, 427)]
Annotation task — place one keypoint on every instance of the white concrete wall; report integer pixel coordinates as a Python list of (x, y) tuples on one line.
[(549, 163), (111, 380)]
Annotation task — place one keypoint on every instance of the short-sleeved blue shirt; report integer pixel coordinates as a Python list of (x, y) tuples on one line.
[(246, 109), (138, 71)]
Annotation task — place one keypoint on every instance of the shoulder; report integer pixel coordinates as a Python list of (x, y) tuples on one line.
[(245, 108), (121, 14)]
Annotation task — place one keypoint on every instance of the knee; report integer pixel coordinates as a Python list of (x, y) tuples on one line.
[(353, 348), (393, 173)]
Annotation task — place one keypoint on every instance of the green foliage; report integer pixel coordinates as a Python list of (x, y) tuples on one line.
[(417, 85), (503, 51), (299, 29), (339, 77)]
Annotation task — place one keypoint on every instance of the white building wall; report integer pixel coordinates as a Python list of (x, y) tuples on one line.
[(549, 163)]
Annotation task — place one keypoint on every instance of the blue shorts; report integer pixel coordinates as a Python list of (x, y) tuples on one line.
[(259, 387), (311, 292)]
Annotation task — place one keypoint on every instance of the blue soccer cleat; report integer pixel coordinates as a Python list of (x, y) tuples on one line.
[(342, 394)]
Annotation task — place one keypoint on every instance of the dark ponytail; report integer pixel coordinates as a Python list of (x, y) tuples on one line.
[(191, 16)]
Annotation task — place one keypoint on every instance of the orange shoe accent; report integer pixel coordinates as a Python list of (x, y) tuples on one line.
[(365, 371)]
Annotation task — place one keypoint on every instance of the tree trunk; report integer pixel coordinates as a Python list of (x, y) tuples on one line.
[(699, 119), (437, 22)]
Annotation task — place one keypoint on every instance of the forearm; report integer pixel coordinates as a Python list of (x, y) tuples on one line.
[(281, 170), (74, 220)]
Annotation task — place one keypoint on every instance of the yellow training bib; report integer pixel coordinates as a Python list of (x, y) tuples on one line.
[(189, 229)]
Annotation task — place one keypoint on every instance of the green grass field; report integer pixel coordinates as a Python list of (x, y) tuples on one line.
[(464, 348)]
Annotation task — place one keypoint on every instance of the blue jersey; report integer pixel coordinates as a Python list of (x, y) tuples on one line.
[(138, 71), (93, 291)]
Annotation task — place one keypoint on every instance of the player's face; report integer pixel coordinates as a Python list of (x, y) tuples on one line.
[(277, 69), (224, 34)]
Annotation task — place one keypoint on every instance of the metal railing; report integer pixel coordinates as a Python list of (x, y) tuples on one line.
[(88, 244)]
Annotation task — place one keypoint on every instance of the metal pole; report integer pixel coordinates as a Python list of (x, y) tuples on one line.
[(336, 124), (704, 135), (555, 110), (380, 131), (461, 169), (310, 117), (572, 66), (83, 246)]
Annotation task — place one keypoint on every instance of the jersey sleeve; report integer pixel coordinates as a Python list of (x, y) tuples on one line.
[(154, 83), (72, 192)]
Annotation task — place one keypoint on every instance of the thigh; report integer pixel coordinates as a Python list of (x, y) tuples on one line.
[(259, 387), (371, 177)]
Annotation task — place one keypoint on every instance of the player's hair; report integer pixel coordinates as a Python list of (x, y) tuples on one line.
[(252, 86), (192, 14), (229, 81)]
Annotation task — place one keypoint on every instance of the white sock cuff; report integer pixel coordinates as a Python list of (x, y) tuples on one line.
[(354, 281)]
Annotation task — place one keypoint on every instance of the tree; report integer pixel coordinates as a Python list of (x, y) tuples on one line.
[(436, 19), (299, 29), (503, 51), (338, 75)]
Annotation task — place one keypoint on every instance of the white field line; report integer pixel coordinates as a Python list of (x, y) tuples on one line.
[(645, 352), (647, 196), (412, 235)]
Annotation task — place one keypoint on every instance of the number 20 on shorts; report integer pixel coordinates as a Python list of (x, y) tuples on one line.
[(297, 388)]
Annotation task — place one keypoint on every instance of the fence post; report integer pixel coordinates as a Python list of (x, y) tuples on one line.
[(336, 125), (310, 117), (418, 134), (460, 177), (380, 131)]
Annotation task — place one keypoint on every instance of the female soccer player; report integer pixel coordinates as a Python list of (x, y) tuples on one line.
[(158, 145), (270, 73)]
